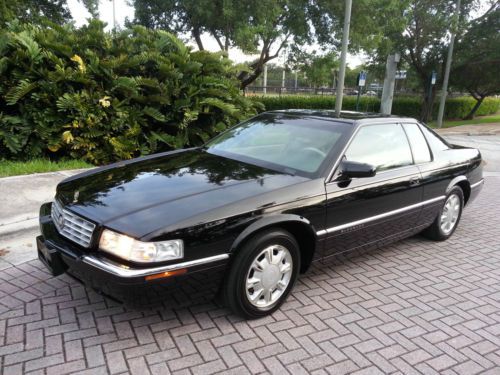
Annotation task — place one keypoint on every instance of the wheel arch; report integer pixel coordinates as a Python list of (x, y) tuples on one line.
[(463, 183), (299, 227)]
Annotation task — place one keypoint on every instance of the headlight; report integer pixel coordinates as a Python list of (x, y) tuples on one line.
[(145, 252)]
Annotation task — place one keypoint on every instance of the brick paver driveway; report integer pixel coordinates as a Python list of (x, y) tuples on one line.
[(414, 307)]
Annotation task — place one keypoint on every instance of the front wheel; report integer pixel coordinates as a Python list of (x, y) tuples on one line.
[(263, 274), (448, 218)]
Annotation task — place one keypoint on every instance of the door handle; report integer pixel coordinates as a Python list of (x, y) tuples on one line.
[(414, 181)]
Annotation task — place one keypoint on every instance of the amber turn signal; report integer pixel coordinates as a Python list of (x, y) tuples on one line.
[(166, 274)]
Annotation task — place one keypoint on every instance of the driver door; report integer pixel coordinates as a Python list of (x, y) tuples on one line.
[(365, 211)]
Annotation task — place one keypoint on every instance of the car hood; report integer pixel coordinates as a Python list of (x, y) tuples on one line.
[(148, 194)]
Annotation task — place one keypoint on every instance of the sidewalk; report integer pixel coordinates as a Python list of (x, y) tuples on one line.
[(479, 129), (20, 200)]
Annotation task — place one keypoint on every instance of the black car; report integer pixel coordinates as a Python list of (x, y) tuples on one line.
[(254, 207)]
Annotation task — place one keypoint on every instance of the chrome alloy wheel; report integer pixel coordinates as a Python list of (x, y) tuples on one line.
[(450, 214), (269, 276)]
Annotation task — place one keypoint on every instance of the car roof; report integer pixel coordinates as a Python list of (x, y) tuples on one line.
[(345, 116)]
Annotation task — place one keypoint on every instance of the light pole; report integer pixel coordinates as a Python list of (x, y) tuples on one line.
[(343, 58), (389, 81), (114, 14), (444, 90)]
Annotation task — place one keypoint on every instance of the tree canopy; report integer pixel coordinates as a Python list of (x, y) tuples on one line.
[(267, 27), (35, 11), (424, 42), (319, 70), (477, 66)]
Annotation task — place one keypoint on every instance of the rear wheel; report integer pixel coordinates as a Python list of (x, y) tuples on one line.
[(263, 274), (448, 218)]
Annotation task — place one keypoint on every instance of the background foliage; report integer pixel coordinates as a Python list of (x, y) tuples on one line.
[(477, 69), (101, 96), (35, 11), (402, 106), (268, 28)]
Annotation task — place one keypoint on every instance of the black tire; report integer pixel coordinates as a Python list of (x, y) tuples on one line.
[(435, 232), (235, 287)]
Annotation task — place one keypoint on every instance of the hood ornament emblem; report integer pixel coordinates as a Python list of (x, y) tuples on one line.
[(75, 196)]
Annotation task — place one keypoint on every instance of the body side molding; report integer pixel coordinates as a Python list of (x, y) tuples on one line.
[(120, 271), (381, 216)]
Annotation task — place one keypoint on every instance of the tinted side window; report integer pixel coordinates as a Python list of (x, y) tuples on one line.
[(384, 146), (419, 146), (434, 141)]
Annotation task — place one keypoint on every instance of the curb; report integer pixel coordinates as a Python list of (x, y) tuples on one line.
[(27, 221), (64, 173), (444, 134), (10, 229)]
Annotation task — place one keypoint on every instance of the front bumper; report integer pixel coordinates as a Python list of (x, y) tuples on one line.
[(191, 281)]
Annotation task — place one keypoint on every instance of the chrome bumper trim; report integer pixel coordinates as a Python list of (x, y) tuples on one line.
[(126, 272), (473, 186), (380, 216)]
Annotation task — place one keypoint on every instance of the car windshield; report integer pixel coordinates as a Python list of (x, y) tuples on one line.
[(287, 144)]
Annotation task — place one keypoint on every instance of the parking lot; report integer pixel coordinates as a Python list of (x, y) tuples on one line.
[(413, 307)]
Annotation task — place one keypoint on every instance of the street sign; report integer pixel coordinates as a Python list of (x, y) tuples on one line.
[(433, 78), (361, 78), (361, 83), (401, 74)]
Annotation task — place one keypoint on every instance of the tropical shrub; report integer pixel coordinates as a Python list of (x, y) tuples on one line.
[(101, 96), (402, 106)]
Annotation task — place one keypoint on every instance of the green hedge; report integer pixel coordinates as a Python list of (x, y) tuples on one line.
[(460, 107), (403, 106), (99, 96)]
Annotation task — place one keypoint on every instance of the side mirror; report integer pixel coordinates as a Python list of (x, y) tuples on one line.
[(352, 169)]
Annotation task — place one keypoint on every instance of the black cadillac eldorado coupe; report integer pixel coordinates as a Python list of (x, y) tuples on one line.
[(251, 209)]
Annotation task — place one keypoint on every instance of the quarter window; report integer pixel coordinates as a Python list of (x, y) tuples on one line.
[(419, 147), (436, 143), (384, 146)]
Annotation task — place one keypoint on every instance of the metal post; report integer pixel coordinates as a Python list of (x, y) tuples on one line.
[(296, 80), (357, 99), (432, 82), (444, 90), (264, 89), (390, 78), (283, 79), (343, 58)]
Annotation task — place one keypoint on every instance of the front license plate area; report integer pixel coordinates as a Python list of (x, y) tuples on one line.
[(50, 258)]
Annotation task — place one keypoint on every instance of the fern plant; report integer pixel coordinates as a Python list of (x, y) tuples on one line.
[(101, 97)]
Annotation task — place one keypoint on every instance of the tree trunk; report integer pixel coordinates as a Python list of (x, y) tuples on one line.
[(427, 105), (197, 37), (470, 116), (247, 78)]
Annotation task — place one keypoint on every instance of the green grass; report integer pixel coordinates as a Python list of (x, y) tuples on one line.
[(477, 120), (14, 168)]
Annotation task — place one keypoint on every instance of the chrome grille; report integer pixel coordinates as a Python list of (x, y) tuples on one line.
[(72, 226)]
